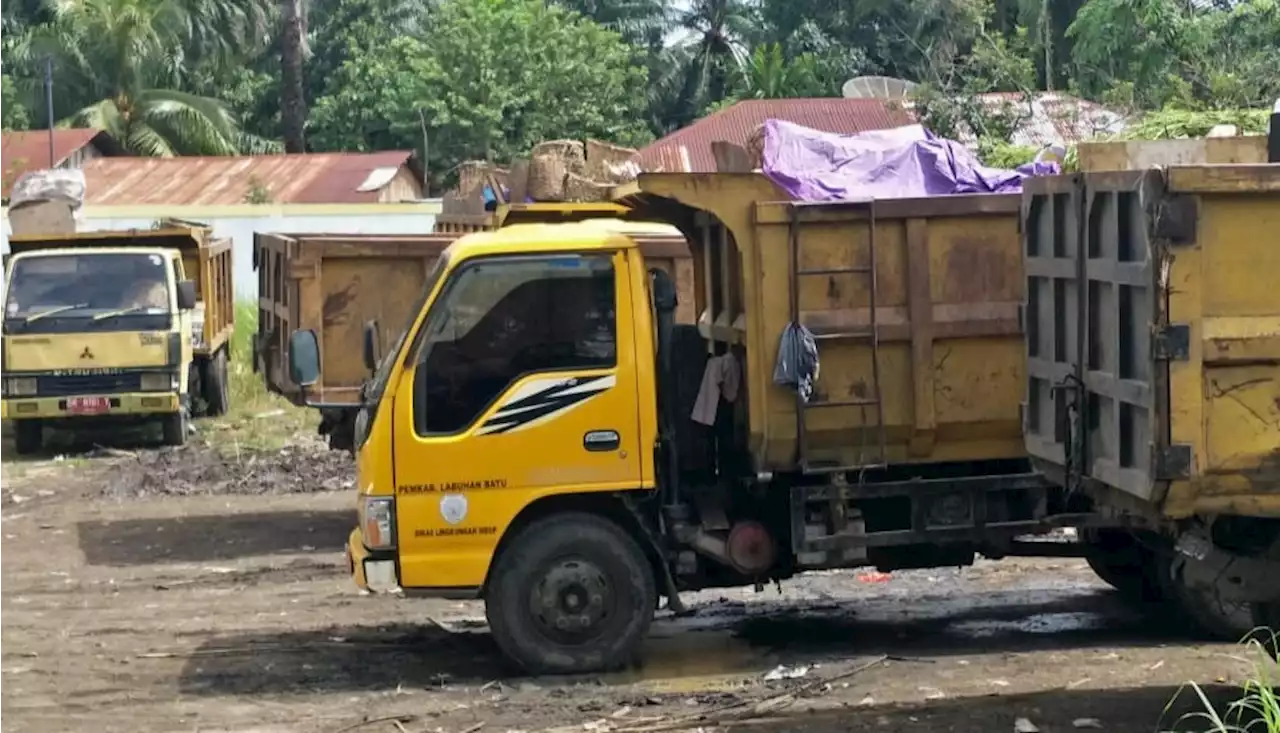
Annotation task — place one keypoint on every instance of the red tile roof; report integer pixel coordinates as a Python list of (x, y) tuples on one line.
[(309, 178), (736, 123), (29, 149)]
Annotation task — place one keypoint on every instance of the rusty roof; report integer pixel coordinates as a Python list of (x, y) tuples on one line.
[(305, 178), (735, 124), (29, 149)]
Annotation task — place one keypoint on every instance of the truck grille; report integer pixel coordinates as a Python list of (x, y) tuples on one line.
[(84, 384)]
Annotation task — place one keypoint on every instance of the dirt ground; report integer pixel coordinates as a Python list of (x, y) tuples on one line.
[(205, 591)]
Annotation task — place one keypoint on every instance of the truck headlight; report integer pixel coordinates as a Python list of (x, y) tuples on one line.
[(159, 382), (378, 522), (21, 386)]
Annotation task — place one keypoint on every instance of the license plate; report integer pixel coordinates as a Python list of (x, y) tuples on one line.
[(88, 405)]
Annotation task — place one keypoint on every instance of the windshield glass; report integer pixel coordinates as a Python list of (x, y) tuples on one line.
[(378, 384), (82, 284)]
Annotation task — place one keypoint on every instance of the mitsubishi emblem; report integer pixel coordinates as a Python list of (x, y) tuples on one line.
[(86, 354)]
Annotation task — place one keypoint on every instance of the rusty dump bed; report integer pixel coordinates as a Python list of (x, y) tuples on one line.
[(1153, 319), (335, 283), (942, 380), (205, 260)]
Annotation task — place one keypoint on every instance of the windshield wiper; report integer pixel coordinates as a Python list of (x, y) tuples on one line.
[(52, 311), (120, 312)]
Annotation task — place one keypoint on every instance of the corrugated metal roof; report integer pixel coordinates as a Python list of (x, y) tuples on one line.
[(29, 149), (310, 178), (736, 123)]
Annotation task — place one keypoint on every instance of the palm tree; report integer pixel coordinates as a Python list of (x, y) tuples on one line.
[(293, 51), (716, 34), (119, 65)]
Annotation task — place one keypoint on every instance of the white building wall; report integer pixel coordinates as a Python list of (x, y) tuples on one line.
[(241, 222)]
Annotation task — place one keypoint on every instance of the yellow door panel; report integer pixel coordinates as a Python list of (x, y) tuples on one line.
[(546, 362)]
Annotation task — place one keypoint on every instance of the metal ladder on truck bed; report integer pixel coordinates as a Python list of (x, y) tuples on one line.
[(870, 335)]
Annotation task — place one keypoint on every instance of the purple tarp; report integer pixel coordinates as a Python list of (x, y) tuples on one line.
[(903, 162)]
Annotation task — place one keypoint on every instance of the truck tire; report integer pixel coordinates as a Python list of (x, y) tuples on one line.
[(1120, 560), (174, 427), (28, 436), (216, 385), (572, 593)]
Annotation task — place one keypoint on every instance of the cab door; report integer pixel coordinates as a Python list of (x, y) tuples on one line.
[(522, 383)]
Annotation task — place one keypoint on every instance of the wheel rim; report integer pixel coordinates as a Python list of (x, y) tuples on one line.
[(572, 602)]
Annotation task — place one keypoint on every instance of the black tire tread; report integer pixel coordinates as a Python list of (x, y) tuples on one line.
[(519, 561), (28, 436)]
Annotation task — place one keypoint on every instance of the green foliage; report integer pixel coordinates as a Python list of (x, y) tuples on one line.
[(13, 114), (490, 79), (997, 153), (1258, 708), (1180, 123), (768, 74)]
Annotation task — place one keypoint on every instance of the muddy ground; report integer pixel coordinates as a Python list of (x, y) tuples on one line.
[(154, 590)]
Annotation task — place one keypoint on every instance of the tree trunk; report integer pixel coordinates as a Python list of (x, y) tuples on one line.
[(293, 103)]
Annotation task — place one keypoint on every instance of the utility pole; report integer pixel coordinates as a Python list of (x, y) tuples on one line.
[(48, 101)]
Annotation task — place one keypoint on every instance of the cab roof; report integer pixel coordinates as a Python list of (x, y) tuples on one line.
[(587, 235), (64, 251)]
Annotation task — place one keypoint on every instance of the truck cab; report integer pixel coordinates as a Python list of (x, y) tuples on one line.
[(95, 335), (524, 383)]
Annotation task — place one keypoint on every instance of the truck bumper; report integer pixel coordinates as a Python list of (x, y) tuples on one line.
[(139, 403), (373, 573)]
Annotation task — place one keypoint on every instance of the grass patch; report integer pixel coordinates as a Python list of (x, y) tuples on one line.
[(1258, 708), (258, 420)]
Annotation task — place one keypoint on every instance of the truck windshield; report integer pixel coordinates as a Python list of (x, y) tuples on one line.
[(86, 285), (88, 291)]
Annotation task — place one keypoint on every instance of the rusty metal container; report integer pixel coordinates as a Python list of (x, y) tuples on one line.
[(942, 379)]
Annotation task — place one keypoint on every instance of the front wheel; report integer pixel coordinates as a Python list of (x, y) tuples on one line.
[(28, 436), (572, 593), (174, 427)]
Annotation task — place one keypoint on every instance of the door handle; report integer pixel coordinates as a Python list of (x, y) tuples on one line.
[(600, 441)]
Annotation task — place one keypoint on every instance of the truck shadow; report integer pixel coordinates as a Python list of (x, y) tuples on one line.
[(204, 538), (428, 656)]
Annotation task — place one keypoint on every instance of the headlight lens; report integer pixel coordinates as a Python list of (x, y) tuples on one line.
[(377, 522), (159, 382), (21, 386)]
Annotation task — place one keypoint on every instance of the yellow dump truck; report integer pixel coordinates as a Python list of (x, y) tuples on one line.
[(116, 327), (342, 285), (542, 433), (1153, 337)]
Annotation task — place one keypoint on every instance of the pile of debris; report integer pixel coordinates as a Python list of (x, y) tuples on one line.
[(555, 170)]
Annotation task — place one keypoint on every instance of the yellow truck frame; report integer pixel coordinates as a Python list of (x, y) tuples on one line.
[(591, 481), (45, 371)]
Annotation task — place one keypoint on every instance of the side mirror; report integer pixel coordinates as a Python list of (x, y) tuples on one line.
[(186, 295), (304, 357), (372, 346)]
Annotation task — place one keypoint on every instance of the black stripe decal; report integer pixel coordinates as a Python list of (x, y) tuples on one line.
[(540, 404)]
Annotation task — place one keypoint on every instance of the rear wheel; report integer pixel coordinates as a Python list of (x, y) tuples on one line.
[(572, 593), (1122, 562), (28, 436), (1208, 613), (216, 385)]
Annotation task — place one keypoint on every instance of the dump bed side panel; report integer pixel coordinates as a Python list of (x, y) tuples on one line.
[(948, 286), (210, 267), (1224, 401)]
